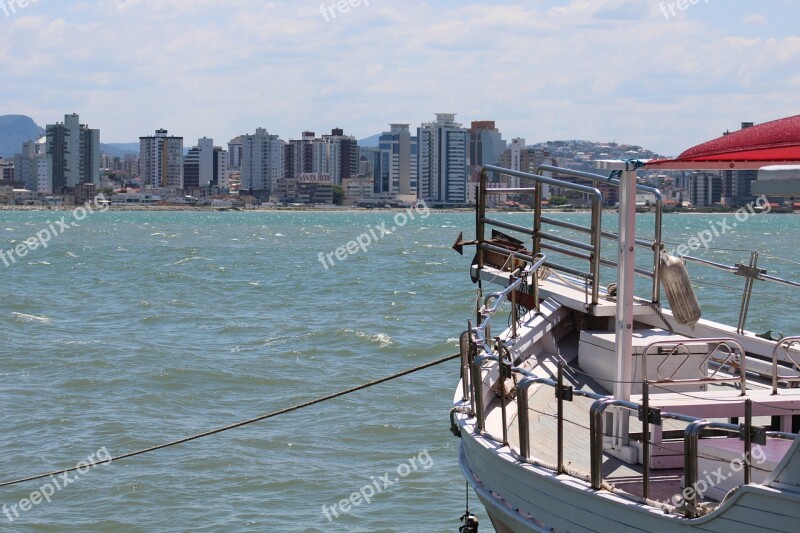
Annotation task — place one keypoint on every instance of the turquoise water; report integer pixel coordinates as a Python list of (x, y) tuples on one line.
[(132, 329)]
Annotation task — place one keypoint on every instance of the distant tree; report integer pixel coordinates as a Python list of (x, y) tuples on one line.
[(338, 195), (556, 201)]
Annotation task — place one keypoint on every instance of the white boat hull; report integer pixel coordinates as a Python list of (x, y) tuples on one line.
[(521, 497)]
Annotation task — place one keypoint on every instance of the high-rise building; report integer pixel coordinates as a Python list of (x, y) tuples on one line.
[(705, 189), (335, 155), (736, 183), (235, 153), (342, 156), (442, 160), (397, 172), (205, 165), (486, 144), (34, 167), (74, 149), (262, 163), (299, 156), (161, 160)]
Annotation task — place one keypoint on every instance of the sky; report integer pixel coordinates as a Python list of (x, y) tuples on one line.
[(662, 74)]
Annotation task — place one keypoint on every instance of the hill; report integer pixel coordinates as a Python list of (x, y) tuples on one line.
[(15, 130)]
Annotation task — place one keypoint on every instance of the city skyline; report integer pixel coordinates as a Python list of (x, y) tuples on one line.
[(607, 70)]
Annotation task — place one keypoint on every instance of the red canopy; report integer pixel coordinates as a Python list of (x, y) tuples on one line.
[(771, 143)]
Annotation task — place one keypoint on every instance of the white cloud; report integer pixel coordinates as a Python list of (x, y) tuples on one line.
[(756, 19), (610, 69)]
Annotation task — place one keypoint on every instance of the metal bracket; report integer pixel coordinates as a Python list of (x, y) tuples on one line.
[(564, 393), (747, 271), (758, 435), (653, 415)]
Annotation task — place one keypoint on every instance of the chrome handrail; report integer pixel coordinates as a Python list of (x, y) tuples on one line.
[(675, 348), (655, 245), (786, 345), (751, 272), (536, 233), (588, 252)]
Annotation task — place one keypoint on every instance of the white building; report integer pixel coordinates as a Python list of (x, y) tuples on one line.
[(442, 160), (205, 165), (262, 163), (161, 160), (44, 174), (235, 153), (74, 149), (342, 156), (396, 174)]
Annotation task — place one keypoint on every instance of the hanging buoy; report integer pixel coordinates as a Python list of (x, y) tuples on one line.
[(470, 524), (678, 287)]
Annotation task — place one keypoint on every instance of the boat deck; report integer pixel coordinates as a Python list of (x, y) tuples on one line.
[(665, 483)]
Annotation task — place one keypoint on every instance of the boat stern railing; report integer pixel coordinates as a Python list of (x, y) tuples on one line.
[(727, 351), (785, 345), (544, 239)]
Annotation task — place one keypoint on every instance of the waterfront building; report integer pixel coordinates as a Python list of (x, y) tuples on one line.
[(486, 145), (205, 165), (161, 160), (235, 153), (442, 161), (705, 189), (397, 169), (262, 163), (74, 150)]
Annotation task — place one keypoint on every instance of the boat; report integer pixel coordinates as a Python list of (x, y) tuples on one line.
[(600, 405)]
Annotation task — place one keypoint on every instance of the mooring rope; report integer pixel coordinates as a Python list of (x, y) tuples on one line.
[(238, 424)]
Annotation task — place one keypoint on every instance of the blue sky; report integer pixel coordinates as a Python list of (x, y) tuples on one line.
[(589, 69)]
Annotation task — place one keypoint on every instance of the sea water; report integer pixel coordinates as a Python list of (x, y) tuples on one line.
[(131, 329)]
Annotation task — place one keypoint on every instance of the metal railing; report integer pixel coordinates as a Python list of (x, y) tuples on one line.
[(732, 351), (479, 338), (654, 245), (785, 345), (549, 241), (751, 272), (649, 416)]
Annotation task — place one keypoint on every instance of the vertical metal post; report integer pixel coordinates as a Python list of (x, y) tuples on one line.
[(503, 369), (537, 226), (537, 220), (748, 291), (657, 253), (522, 418), (477, 394), (690, 446), (480, 214), (596, 442), (625, 293), (646, 439), (597, 223), (514, 317), (464, 347), (560, 394), (748, 439)]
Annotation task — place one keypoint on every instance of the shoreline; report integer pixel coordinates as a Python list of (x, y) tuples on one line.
[(331, 209)]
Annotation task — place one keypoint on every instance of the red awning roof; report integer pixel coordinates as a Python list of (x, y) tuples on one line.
[(772, 143)]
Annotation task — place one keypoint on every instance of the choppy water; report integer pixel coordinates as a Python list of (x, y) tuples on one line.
[(133, 329)]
